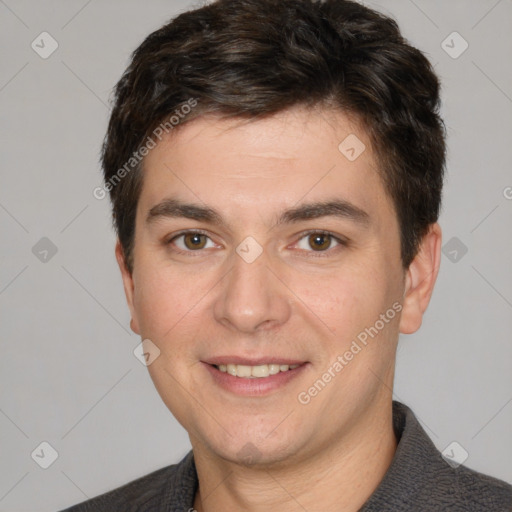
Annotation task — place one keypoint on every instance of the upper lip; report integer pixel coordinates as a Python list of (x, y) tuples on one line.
[(254, 361)]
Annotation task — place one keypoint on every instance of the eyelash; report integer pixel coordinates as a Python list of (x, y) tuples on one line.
[(190, 232), (315, 254), (323, 254)]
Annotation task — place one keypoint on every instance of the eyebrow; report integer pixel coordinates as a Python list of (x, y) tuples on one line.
[(340, 208), (173, 208)]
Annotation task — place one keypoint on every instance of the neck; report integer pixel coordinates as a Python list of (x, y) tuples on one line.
[(342, 476)]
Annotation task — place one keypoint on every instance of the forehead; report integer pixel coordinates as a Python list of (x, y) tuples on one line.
[(239, 165)]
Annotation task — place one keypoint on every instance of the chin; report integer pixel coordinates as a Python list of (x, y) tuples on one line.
[(254, 451)]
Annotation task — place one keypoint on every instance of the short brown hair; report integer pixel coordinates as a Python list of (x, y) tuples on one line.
[(253, 58)]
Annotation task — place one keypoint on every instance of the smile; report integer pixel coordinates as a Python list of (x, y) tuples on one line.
[(255, 372), (256, 379)]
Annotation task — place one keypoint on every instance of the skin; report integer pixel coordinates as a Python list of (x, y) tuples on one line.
[(293, 301)]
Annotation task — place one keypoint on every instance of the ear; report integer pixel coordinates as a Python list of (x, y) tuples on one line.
[(128, 286), (420, 278)]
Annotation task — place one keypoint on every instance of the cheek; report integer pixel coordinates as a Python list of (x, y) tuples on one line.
[(163, 299), (345, 300)]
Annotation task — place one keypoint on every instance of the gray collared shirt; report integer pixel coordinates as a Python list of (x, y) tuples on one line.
[(418, 480)]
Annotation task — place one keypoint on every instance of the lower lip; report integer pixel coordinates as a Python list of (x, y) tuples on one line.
[(253, 387)]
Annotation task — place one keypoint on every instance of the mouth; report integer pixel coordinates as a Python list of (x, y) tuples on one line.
[(253, 377), (259, 371)]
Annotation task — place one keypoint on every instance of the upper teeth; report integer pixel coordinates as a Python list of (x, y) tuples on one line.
[(262, 370)]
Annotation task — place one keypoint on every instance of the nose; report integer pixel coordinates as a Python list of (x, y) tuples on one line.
[(252, 297)]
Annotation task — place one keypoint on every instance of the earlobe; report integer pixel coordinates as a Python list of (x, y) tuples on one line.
[(129, 287), (420, 279)]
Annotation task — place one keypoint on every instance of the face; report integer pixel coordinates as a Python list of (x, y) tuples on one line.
[(263, 256)]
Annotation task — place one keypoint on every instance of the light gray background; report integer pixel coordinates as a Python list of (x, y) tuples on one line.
[(68, 373)]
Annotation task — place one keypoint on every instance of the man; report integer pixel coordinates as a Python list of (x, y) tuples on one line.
[(275, 169)]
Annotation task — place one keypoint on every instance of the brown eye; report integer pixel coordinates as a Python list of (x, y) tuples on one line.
[(194, 241), (319, 241)]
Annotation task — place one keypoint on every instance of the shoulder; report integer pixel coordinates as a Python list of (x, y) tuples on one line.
[(443, 484), (420, 478), (475, 491), (152, 492)]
